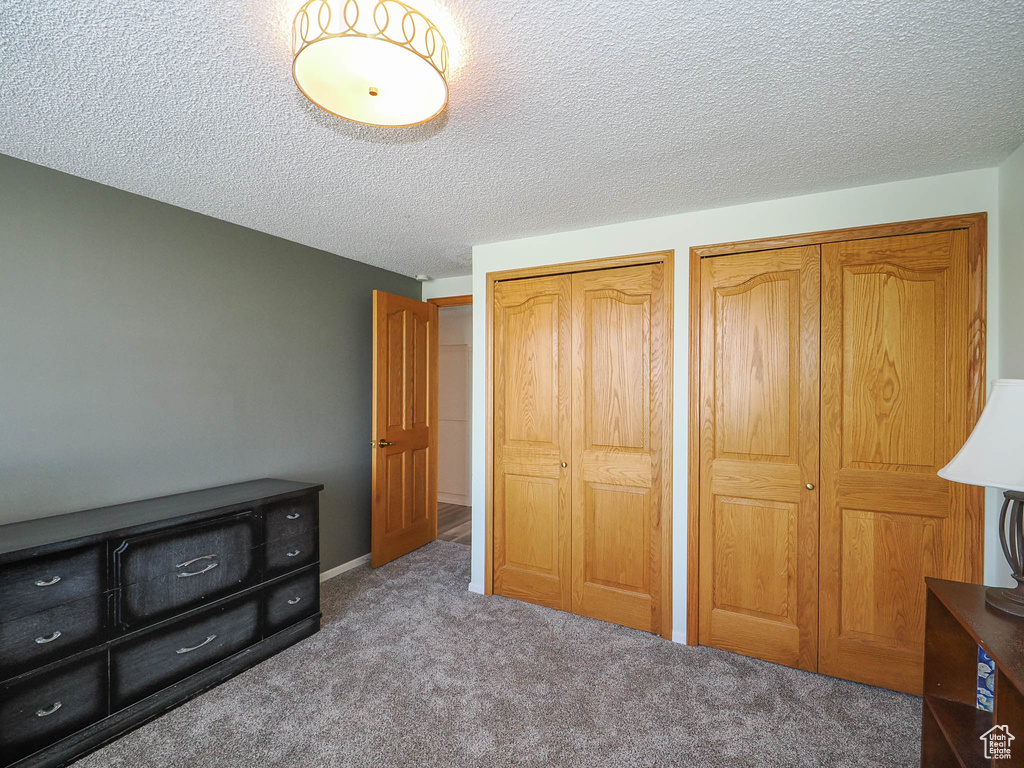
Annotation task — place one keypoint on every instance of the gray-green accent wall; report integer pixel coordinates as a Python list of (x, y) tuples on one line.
[(148, 350)]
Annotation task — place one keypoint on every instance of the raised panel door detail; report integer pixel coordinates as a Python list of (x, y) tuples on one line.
[(420, 384), (395, 372), (892, 367), (531, 371), (884, 559), (896, 358), (394, 481), (752, 323), (532, 439), (619, 324), (618, 535), (405, 425), (420, 502), (531, 524), (754, 555), (759, 393), (618, 366)]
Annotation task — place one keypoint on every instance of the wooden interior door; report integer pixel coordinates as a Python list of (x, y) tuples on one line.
[(759, 392), (897, 349), (619, 434), (532, 440), (404, 426)]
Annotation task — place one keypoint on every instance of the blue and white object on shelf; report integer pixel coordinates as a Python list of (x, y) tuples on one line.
[(986, 680)]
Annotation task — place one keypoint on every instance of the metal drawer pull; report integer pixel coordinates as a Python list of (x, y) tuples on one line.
[(295, 601), (293, 553), (293, 516), (210, 639), (187, 563), (49, 710), (50, 583), (50, 639), (210, 567)]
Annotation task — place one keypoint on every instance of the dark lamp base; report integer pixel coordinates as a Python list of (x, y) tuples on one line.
[(1006, 599), (1011, 536)]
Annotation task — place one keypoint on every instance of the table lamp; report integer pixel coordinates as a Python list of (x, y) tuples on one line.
[(994, 456)]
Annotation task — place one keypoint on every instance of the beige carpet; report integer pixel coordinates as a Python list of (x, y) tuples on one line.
[(411, 669)]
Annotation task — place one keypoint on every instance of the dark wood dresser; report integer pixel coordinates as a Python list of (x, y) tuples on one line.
[(956, 623), (111, 616)]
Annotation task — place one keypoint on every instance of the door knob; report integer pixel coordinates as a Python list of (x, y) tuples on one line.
[(564, 465), (382, 443), (810, 486)]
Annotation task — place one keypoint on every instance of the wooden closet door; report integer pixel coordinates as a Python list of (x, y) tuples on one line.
[(896, 336), (619, 437), (532, 440), (759, 393)]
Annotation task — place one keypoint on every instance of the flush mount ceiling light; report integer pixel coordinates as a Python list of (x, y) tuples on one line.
[(378, 62)]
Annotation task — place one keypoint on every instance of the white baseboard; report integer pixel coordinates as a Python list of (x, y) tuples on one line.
[(454, 498), (477, 588), (345, 567)]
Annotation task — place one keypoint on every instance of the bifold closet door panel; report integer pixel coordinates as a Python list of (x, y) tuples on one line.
[(619, 341), (896, 356), (532, 440), (759, 395)]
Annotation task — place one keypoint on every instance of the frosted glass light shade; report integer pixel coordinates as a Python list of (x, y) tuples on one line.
[(379, 62), (994, 453)]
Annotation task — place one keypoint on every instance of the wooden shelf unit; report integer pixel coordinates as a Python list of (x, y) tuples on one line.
[(958, 621)]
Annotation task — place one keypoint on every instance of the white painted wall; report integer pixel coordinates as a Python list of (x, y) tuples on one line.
[(958, 193), (1010, 233), (1011, 249), (455, 386), (448, 286)]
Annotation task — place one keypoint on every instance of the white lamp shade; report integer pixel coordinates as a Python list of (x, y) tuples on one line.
[(994, 453)]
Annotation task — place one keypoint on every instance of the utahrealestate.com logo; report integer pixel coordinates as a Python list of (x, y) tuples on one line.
[(997, 742)]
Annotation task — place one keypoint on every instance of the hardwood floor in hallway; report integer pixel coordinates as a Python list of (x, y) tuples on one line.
[(454, 524)]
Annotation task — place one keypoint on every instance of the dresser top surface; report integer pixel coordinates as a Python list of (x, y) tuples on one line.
[(44, 531)]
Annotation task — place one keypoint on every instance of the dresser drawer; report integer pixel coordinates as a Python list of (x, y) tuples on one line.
[(47, 636), (204, 581), (44, 582), (292, 599), (36, 710), (184, 552), (140, 666), (290, 553), (287, 518)]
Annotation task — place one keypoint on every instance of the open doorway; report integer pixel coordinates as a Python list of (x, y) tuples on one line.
[(455, 365)]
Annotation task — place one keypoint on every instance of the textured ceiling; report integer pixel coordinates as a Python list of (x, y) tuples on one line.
[(562, 114)]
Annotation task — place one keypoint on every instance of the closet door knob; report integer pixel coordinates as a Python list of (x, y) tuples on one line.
[(810, 486), (564, 465)]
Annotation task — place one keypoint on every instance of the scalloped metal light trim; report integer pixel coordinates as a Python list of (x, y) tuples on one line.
[(390, 21)]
